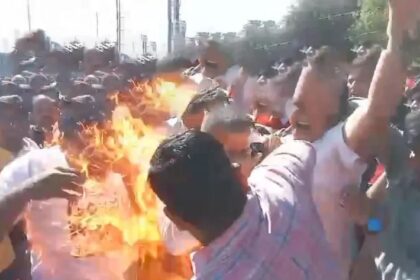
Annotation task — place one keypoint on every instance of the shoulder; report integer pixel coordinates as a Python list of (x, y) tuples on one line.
[(31, 163), (333, 149), (294, 152), (293, 161)]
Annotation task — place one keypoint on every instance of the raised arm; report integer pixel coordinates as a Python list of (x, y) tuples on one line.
[(366, 127), (55, 183)]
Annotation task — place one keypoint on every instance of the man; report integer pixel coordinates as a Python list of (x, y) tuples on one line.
[(9, 88), (13, 201), (361, 72), (232, 129), (14, 125), (216, 64), (50, 217), (279, 96), (396, 247), (43, 117), (193, 116), (343, 148), (13, 128), (264, 234), (81, 107), (6, 249)]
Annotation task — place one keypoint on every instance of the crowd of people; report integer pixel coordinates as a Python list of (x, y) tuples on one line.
[(305, 171)]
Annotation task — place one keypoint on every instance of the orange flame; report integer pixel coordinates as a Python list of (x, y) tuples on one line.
[(119, 211)]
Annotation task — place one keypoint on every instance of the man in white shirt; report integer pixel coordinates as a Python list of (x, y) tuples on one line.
[(343, 147)]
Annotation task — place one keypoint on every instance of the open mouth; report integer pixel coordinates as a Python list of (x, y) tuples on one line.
[(302, 125)]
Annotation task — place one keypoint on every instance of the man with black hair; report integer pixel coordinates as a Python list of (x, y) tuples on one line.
[(216, 63), (14, 123), (278, 97), (193, 116), (362, 70), (262, 234), (344, 147), (232, 128)]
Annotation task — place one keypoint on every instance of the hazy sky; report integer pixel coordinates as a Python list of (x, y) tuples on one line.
[(65, 20)]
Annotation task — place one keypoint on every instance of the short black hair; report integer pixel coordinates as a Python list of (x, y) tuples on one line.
[(12, 103), (193, 177), (205, 99), (369, 58), (228, 118), (328, 62), (331, 66)]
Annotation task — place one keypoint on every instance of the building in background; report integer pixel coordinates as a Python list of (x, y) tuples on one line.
[(180, 36), (5, 45), (177, 28), (17, 34), (153, 48), (173, 22), (202, 36), (144, 44), (230, 36)]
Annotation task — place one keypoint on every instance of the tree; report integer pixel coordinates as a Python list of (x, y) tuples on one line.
[(320, 22), (370, 26)]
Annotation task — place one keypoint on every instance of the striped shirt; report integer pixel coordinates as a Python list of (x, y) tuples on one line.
[(279, 234)]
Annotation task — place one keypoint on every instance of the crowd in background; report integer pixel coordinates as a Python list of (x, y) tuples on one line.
[(254, 200)]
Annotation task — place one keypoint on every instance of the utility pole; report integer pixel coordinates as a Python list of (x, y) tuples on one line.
[(28, 8), (170, 26), (97, 26), (118, 13)]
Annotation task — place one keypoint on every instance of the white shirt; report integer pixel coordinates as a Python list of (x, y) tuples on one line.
[(337, 169), (48, 229)]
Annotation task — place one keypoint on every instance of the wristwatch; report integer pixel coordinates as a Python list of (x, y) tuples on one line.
[(374, 226)]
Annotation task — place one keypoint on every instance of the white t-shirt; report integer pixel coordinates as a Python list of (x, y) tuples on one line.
[(338, 168), (48, 229)]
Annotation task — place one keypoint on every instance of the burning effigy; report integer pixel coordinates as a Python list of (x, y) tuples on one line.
[(113, 227)]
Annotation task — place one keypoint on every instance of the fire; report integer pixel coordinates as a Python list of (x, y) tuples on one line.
[(119, 211)]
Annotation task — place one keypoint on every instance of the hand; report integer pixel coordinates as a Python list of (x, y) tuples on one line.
[(403, 18), (55, 183)]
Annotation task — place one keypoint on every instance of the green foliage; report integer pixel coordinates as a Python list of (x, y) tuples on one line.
[(321, 22), (371, 23)]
